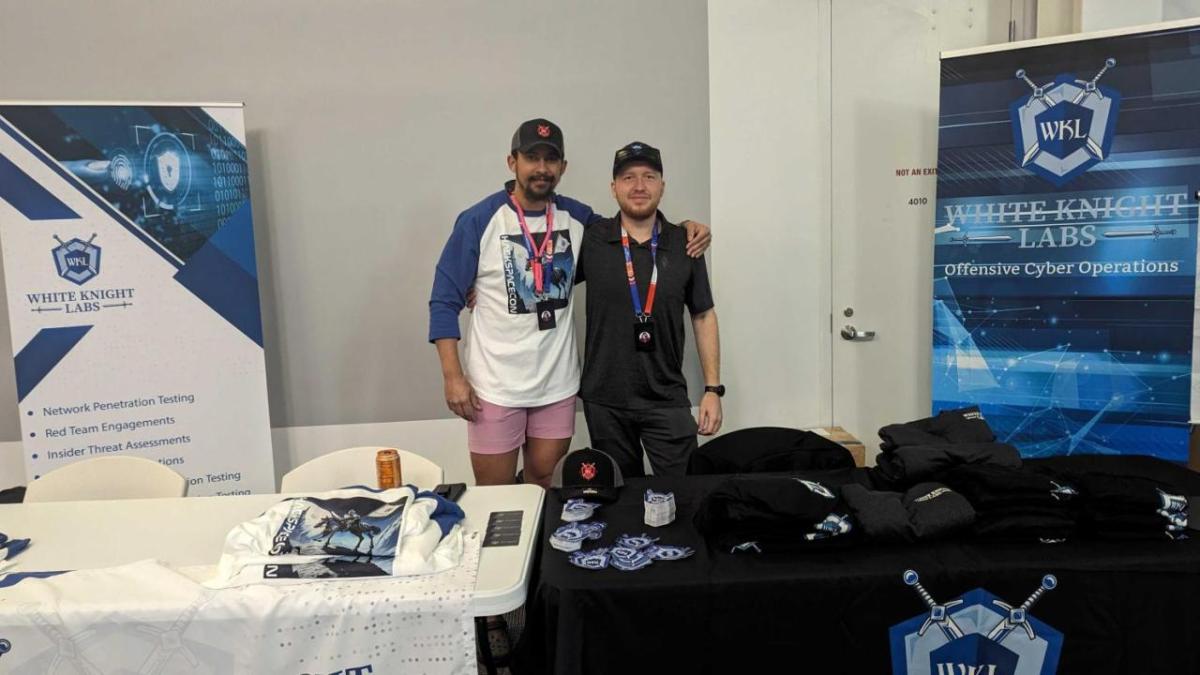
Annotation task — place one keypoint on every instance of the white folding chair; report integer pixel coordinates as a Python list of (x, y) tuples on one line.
[(356, 466), (120, 477)]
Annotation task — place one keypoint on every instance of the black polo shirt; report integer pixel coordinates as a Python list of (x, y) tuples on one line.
[(615, 374)]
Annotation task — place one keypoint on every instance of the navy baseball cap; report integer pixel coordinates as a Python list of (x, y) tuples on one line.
[(589, 474), (637, 151), (537, 132)]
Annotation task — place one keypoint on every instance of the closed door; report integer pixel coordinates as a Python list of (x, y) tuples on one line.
[(884, 119)]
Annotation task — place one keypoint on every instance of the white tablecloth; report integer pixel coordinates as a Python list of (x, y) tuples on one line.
[(150, 619), (191, 531)]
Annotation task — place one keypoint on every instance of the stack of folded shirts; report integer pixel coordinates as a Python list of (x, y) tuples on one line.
[(910, 464), (1016, 504), (1131, 507), (926, 511), (772, 513), (922, 450), (963, 425)]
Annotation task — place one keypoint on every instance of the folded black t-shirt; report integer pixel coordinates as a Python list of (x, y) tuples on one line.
[(962, 425), (772, 513), (908, 465)]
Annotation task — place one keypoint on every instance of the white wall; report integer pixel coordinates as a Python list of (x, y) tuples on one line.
[(1103, 14), (1058, 17), (1094, 15), (769, 153)]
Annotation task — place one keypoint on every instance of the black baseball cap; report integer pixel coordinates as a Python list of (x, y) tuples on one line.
[(589, 474), (538, 132), (637, 151)]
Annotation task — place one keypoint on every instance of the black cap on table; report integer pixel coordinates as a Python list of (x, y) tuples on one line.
[(589, 474)]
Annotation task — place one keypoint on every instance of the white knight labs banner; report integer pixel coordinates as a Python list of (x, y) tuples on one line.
[(1065, 242), (132, 290)]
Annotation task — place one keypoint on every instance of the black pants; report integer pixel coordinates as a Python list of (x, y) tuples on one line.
[(668, 435)]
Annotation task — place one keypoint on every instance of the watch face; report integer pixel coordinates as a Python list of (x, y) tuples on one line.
[(719, 390)]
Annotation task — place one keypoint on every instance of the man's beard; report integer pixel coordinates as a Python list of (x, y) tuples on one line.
[(539, 192), (639, 212)]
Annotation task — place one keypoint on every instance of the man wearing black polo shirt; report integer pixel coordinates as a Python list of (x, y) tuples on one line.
[(639, 279)]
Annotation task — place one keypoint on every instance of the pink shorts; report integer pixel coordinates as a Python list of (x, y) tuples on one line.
[(499, 429)]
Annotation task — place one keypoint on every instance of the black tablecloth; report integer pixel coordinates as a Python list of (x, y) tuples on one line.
[(1123, 607)]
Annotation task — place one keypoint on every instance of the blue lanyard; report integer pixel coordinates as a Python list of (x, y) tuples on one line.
[(633, 290)]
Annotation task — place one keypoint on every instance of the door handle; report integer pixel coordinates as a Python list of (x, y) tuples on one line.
[(851, 333)]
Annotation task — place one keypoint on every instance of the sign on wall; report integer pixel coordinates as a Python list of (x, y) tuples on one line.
[(132, 290), (1065, 242)]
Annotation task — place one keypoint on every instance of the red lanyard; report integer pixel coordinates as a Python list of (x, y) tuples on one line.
[(541, 259)]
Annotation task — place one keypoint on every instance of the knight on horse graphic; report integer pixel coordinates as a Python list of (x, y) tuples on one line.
[(352, 523)]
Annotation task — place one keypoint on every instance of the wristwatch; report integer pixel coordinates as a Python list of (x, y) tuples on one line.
[(718, 389)]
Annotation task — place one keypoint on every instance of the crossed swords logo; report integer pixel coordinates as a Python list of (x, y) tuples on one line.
[(1039, 95), (1015, 617)]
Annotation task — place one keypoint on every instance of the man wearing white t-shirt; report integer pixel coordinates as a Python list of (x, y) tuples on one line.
[(517, 383)]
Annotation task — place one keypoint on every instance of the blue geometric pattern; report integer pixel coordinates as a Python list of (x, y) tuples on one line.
[(36, 359), (223, 285), (28, 196)]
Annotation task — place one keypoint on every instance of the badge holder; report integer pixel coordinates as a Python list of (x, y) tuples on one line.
[(545, 315), (643, 334)]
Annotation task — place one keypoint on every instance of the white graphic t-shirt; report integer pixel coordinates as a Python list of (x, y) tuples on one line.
[(348, 533), (508, 359)]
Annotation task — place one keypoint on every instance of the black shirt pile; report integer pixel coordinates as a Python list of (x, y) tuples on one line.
[(1016, 504), (926, 511), (767, 450), (962, 425), (764, 514), (1130, 507), (924, 449)]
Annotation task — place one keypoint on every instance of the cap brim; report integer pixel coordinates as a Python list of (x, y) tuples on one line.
[(529, 146), (603, 494), (620, 166)]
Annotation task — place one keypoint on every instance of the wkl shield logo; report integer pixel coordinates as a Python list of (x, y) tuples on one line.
[(1065, 127), (977, 634), (77, 261), (168, 170)]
